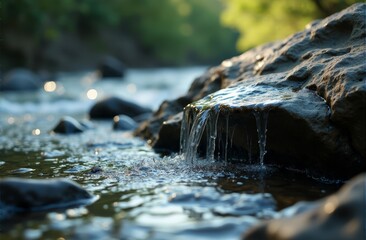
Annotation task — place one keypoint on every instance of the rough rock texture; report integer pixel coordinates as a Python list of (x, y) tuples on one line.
[(18, 195), (20, 80), (318, 80), (113, 106), (339, 216)]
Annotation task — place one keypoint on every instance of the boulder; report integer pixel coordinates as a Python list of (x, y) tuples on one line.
[(339, 216), (28, 195), (69, 125), (111, 67), (20, 79), (113, 106), (123, 123), (298, 103)]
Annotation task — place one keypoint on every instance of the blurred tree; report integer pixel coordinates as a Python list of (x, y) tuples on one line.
[(262, 21), (172, 32)]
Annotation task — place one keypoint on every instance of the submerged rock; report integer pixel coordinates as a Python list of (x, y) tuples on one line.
[(339, 216), (123, 123), (113, 106), (27, 195), (20, 80), (69, 125), (298, 103)]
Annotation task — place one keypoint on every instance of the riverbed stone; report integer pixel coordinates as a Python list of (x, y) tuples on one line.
[(111, 67), (20, 79), (319, 125), (123, 123), (69, 125), (27, 195), (114, 106), (339, 216)]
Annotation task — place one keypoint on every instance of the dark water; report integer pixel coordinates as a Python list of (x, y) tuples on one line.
[(142, 195)]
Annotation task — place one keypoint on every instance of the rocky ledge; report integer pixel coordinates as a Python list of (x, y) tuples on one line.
[(303, 99)]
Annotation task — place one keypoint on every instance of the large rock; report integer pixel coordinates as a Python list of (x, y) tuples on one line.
[(339, 216), (26, 195), (113, 106), (20, 79), (308, 91)]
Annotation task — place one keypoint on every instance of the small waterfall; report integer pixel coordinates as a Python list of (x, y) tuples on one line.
[(184, 130), (195, 122), (261, 118), (211, 132), (226, 136), (190, 147)]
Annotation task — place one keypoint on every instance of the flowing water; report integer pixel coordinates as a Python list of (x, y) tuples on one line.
[(261, 118), (142, 195)]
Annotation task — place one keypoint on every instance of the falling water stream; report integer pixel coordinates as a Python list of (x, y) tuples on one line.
[(261, 118)]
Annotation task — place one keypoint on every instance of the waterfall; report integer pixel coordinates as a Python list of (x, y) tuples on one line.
[(196, 121), (211, 132), (261, 118), (190, 147)]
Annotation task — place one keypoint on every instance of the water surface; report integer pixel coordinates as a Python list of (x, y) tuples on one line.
[(143, 195)]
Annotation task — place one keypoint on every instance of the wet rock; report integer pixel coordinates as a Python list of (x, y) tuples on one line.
[(142, 117), (123, 123), (25, 195), (339, 216), (311, 88), (169, 134), (113, 106), (96, 169), (69, 125), (208, 83), (20, 80), (111, 67)]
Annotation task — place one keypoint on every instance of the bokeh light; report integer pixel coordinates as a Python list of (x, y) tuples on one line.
[(50, 86), (36, 132), (11, 120), (92, 94)]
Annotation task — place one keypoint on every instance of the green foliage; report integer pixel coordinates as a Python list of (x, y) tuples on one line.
[(262, 21), (170, 31)]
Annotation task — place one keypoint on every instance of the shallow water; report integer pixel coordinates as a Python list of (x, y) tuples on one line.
[(142, 195)]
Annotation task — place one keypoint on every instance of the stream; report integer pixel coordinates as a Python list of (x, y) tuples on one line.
[(142, 194)]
